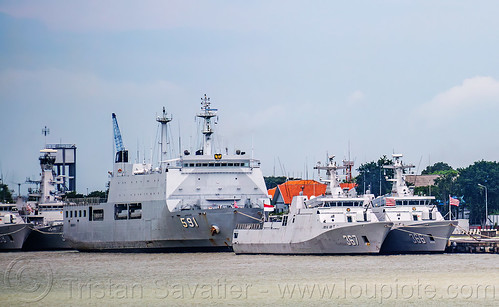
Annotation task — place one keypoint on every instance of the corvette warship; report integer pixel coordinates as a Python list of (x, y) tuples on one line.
[(339, 222), (190, 203), (418, 226)]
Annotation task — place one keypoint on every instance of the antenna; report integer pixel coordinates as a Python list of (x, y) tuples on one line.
[(163, 120), (45, 132), (207, 113)]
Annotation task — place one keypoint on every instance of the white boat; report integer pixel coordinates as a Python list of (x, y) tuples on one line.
[(339, 222), (418, 226), (13, 229)]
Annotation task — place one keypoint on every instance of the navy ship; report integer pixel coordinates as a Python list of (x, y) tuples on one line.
[(13, 229), (190, 203), (45, 213), (418, 226), (339, 222)]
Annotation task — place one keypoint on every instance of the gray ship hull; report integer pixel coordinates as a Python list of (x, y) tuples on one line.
[(342, 240), (13, 236), (425, 237), (44, 238), (159, 230)]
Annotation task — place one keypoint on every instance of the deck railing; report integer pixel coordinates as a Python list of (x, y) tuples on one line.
[(249, 226), (84, 201)]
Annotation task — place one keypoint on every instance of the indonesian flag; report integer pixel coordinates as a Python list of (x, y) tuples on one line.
[(267, 207), (454, 201), (390, 202)]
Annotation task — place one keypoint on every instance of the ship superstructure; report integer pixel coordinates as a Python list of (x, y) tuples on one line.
[(44, 213), (190, 203), (418, 226), (339, 222)]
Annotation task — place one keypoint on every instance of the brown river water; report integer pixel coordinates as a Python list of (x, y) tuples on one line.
[(226, 279)]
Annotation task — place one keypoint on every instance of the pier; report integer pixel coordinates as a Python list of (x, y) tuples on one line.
[(484, 241)]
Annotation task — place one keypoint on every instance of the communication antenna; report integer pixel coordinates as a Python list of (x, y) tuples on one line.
[(163, 120), (45, 132)]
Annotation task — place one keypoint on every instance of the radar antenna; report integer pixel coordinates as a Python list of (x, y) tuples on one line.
[(207, 114)]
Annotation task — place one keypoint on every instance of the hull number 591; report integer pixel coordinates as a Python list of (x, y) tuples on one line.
[(188, 222)]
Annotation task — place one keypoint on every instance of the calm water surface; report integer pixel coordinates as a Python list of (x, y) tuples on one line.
[(72, 278)]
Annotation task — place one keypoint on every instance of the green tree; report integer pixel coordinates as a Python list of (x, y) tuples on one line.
[(436, 168), (271, 181), (5, 194), (446, 185), (371, 174), (100, 194), (73, 194), (485, 173)]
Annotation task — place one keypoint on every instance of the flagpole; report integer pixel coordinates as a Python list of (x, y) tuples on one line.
[(450, 208)]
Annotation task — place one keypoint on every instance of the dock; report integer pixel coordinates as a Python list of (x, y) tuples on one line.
[(485, 241)]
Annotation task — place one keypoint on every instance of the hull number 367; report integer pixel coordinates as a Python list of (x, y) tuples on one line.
[(351, 240)]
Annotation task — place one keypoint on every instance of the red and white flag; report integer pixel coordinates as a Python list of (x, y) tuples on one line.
[(268, 207), (454, 201), (390, 202)]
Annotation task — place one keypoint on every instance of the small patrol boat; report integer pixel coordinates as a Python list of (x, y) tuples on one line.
[(418, 226), (339, 222), (13, 229)]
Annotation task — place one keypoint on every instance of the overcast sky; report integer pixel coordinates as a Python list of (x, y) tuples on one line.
[(294, 80)]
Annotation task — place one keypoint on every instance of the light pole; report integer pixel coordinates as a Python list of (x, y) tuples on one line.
[(486, 209)]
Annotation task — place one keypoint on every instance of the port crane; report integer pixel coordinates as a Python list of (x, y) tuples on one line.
[(121, 152)]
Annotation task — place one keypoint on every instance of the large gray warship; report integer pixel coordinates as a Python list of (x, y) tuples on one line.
[(339, 222), (190, 203), (418, 226)]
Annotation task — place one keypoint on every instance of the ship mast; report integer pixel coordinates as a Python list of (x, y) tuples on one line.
[(207, 114), (164, 120), (399, 187), (333, 185)]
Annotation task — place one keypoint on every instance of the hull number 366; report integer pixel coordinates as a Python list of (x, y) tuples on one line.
[(417, 238)]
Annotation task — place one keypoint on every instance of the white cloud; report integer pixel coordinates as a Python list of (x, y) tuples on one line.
[(477, 93)]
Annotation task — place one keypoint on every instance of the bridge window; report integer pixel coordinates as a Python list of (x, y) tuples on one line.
[(285, 220), (135, 211), (98, 215), (120, 211)]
